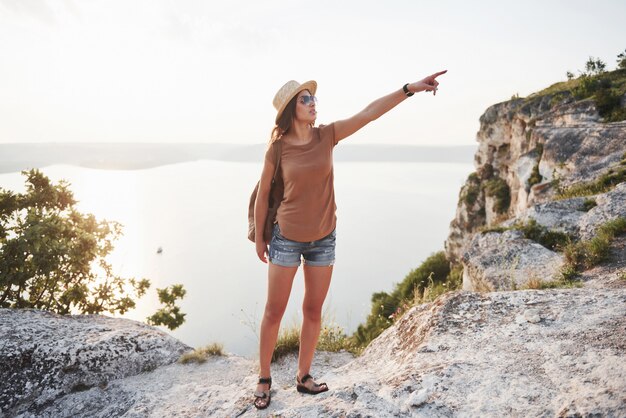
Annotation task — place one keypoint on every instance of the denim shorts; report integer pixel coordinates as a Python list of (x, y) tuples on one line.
[(287, 253)]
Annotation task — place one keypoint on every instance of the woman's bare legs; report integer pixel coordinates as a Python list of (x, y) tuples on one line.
[(316, 284), (279, 282)]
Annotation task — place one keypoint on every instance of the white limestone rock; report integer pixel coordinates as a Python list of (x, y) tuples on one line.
[(505, 261), (557, 215), (45, 356), (611, 205), (570, 363)]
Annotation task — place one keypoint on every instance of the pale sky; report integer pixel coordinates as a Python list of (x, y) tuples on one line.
[(206, 71)]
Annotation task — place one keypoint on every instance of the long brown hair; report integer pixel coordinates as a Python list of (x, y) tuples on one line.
[(285, 120)]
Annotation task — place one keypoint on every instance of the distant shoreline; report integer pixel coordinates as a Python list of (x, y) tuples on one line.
[(138, 156)]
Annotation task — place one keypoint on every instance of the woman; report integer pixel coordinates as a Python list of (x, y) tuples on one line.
[(306, 220)]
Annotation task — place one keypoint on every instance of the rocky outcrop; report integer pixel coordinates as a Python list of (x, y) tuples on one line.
[(506, 260), (531, 147), (45, 356), (609, 206), (503, 261), (559, 215), (529, 150), (524, 353)]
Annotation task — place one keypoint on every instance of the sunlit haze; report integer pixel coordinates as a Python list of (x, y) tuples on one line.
[(206, 71)]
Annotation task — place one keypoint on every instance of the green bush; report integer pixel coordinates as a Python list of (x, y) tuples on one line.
[(569, 275), (553, 240), (586, 87), (601, 87), (432, 278), (453, 281), (499, 189), (583, 255), (379, 319), (53, 257), (535, 176), (472, 189), (416, 281), (608, 105)]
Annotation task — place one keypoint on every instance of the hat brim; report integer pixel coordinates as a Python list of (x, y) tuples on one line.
[(310, 85)]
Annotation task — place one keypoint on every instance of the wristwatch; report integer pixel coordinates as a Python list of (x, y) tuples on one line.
[(406, 90)]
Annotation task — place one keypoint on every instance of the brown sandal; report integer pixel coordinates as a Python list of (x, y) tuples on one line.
[(303, 389), (262, 399)]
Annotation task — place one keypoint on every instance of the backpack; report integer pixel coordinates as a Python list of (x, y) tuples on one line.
[(277, 189)]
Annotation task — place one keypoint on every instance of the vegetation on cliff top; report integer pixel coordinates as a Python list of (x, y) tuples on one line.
[(605, 88)]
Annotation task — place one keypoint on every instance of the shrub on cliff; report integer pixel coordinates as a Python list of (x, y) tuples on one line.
[(499, 190), (582, 255), (53, 257), (605, 88), (471, 190), (432, 278)]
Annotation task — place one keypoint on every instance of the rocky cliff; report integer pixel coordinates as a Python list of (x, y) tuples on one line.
[(530, 151)]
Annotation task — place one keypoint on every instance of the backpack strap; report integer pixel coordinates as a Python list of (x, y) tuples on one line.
[(278, 147)]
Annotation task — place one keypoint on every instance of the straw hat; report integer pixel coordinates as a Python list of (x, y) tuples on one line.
[(289, 91)]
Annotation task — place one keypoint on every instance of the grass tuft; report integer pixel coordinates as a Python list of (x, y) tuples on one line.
[(332, 338), (551, 239), (567, 278), (583, 255), (200, 355), (288, 342), (533, 283), (603, 184), (589, 204)]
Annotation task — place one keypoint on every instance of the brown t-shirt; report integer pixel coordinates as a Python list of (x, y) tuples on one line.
[(307, 211)]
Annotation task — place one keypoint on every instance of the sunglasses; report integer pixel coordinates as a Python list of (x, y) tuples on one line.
[(305, 100)]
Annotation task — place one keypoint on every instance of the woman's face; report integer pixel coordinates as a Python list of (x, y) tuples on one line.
[(305, 107)]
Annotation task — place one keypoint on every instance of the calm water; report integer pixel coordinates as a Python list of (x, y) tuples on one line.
[(390, 217)]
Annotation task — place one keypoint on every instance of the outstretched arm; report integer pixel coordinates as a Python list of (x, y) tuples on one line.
[(346, 127)]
